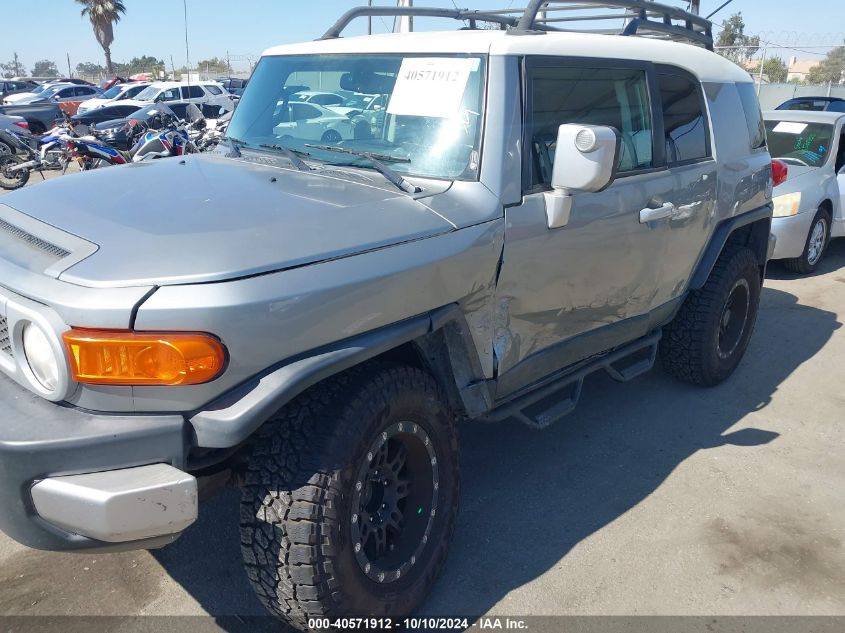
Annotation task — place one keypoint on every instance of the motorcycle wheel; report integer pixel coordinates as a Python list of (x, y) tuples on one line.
[(12, 180)]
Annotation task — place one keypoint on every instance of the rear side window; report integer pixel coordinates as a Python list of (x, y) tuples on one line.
[(617, 97), (753, 116), (836, 106), (684, 120), (214, 90), (192, 92)]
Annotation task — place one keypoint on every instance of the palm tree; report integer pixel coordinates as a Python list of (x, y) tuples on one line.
[(103, 14)]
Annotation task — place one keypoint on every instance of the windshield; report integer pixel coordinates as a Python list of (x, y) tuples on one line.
[(147, 94), (430, 126), (39, 89), (802, 143), (52, 90), (112, 92)]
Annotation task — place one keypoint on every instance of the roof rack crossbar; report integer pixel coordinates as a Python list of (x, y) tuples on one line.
[(642, 17), (502, 18)]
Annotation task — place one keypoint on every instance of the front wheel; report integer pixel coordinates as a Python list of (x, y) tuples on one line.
[(815, 246), (12, 179), (708, 337), (351, 497)]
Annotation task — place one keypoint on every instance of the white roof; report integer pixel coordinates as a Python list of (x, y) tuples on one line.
[(706, 65), (803, 116)]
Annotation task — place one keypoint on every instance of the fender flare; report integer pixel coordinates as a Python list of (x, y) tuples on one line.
[(720, 239), (235, 416)]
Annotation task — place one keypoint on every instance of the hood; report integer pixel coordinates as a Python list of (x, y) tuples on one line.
[(17, 98), (208, 218), (135, 102), (93, 104), (110, 125)]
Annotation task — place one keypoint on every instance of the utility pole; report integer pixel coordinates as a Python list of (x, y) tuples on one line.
[(18, 72), (405, 22), (369, 19), (695, 6), (69, 72), (762, 63)]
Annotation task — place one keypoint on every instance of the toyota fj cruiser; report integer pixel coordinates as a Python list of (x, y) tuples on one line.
[(313, 312)]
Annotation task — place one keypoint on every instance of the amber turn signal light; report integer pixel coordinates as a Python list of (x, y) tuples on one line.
[(109, 357)]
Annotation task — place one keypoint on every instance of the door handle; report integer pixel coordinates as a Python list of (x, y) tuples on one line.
[(666, 210)]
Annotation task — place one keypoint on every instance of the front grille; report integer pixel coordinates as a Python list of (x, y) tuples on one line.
[(34, 242), (5, 339)]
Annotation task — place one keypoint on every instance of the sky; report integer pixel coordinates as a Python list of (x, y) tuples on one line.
[(245, 28)]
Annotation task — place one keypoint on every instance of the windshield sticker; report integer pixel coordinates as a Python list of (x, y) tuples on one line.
[(790, 127), (430, 86)]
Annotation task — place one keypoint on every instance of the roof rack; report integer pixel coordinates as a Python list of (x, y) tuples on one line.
[(644, 18)]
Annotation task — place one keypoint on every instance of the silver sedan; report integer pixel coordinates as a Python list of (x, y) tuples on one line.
[(810, 202)]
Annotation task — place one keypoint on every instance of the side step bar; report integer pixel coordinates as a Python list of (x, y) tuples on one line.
[(548, 403)]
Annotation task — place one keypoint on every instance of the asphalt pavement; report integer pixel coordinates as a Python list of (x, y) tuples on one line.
[(652, 498)]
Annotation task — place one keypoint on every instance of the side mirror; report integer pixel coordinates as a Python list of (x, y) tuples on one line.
[(585, 161)]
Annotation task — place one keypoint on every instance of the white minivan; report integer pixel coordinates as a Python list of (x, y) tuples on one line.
[(209, 92)]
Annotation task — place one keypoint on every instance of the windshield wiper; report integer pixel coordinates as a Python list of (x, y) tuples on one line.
[(290, 154), (393, 176), (235, 144)]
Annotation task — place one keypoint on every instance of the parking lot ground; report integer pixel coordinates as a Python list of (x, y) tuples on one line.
[(653, 498)]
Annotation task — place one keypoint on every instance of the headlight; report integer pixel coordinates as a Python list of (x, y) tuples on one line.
[(40, 356), (787, 204)]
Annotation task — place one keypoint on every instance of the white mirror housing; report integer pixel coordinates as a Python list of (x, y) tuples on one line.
[(586, 157)]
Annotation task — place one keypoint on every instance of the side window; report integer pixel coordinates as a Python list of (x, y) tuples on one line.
[(129, 94), (303, 111), (840, 156), (64, 93), (171, 94), (617, 97), (685, 124), (214, 90), (753, 116), (192, 92), (836, 106)]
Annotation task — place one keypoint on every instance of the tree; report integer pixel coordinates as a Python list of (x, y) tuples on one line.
[(213, 65), (831, 69), (45, 68), (103, 15), (89, 69), (143, 64), (733, 35), (774, 68), (12, 68)]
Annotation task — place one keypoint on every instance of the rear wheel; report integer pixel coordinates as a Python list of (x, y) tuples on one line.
[(351, 497), (12, 179), (708, 337), (331, 136), (815, 246)]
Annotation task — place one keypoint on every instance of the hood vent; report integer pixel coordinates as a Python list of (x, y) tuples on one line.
[(48, 248)]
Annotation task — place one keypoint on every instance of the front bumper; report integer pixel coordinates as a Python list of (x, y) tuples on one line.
[(791, 234), (44, 504)]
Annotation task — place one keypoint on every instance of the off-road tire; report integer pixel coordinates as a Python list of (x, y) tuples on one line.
[(296, 508), (16, 180), (805, 263), (690, 347)]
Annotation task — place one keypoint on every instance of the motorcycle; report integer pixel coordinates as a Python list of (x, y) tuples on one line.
[(31, 154), (162, 136)]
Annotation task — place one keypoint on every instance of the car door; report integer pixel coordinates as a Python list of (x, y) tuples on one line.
[(689, 156), (840, 171), (306, 119), (570, 292)]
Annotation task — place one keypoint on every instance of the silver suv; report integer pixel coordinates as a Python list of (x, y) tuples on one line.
[(311, 316)]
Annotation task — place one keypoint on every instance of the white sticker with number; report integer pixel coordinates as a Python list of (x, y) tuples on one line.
[(430, 86), (790, 127)]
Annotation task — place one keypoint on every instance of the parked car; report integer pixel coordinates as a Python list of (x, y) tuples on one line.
[(40, 116), (106, 84), (117, 133), (9, 87), (205, 92), (115, 94), (36, 90), (318, 317), (312, 122), (106, 113), (67, 96), (815, 104), (234, 86), (15, 124), (810, 203)]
